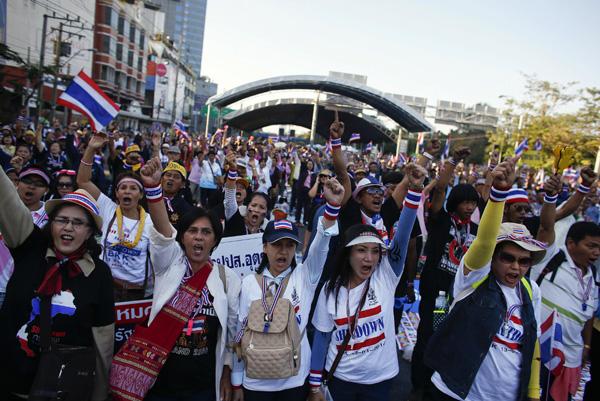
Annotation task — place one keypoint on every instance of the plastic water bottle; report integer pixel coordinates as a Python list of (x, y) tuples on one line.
[(440, 301)]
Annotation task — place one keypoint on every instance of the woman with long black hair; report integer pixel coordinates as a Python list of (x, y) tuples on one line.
[(356, 308)]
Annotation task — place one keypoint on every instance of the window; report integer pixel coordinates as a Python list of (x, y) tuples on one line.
[(130, 58), (118, 78), (142, 40), (178, 18), (119, 52), (103, 72), (132, 34), (140, 64), (107, 14), (121, 28), (106, 44), (138, 88)]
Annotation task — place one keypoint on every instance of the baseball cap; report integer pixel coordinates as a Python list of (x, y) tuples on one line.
[(278, 229)]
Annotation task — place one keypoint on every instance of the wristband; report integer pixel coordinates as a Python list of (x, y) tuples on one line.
[(437, 176), (314, 379), (236, 387), (454, 162), (550, 199), (232, 175), (583, 189), (20, 118), (413, 198), (110, 135), (335, 143), (586, 346), (475, 175), (498, 194), (427, 155), (153, 194), (491, 167), (331, 211), (86, 163), (410, 284)]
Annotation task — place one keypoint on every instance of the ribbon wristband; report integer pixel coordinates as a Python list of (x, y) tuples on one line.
[(454, 162), (413, 198), (550, 199), (86, 163), (583, 189), (232, 175), (491, 167), (335, 143), (153, 194), (498, 194), (314, 378), (427, 155), (331, 211)]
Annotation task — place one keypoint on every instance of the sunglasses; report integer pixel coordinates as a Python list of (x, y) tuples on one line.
[(373, 191), (509, 259), (64, 185), (39, 184), (520, 208)]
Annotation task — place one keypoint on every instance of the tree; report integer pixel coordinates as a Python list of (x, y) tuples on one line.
[(544, 114), (13, 92)]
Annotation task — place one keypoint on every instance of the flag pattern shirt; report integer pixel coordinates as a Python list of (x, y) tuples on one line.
[(370, 358), (504, 357), (567, 296)]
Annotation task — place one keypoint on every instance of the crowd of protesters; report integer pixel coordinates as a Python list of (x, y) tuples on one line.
[(92, 218)]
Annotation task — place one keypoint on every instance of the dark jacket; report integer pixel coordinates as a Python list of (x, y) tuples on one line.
[(459, 345)]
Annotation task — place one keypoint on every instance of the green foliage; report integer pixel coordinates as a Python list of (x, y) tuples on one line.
[(558, 114)]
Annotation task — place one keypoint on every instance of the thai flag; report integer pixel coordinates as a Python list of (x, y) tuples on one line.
[(551, 346), (421, 141), (402, 158), (85, 97), (369, 147), (446, 150), (354, 137), (538, 145), (328, 150), (521, 147), (282, 224), (198, 324), (180, 129), (274, 137)]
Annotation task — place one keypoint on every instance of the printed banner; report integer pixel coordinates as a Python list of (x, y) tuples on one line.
[(127, 315), (242, 253), (532, 158)]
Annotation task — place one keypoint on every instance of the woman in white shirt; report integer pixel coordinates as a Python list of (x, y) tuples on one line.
[(280, 241)]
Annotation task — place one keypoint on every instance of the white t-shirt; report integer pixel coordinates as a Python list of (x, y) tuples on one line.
[(125, 264), (40, 218), (373, 357), (566, 295), (502, 363)]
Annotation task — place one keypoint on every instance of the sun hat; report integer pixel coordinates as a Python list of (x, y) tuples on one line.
[(366, 183), (519, 235), (174, 149), (82, 198), (132, 148), (367, 237), (278, 229), (241, 163), (325, 172), (35, 171)]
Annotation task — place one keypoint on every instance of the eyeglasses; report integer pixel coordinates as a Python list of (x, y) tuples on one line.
[(39, 184), (64, 185), (373, 191), (520, 208), (509, 259), (77, 224)]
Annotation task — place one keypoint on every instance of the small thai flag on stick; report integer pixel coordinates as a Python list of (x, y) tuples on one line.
[(354, 137), (521, 147)]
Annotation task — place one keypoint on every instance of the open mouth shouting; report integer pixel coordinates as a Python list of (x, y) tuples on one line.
[(126, 201), (197, 250)]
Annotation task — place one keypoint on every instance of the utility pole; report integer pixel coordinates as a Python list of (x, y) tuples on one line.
[(42, 51), (56, 70), (174, 115)]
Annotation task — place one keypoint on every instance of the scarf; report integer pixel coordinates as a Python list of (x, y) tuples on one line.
[(52, 283), (140, 359), (377, 222), (138, 235)]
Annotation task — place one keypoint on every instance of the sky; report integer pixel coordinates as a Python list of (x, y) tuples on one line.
[(463, 51)]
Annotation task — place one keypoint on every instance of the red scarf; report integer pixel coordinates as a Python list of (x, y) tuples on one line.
[(52, 283), (459, 221)]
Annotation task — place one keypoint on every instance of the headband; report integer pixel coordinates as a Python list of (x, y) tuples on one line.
[(129, 179)]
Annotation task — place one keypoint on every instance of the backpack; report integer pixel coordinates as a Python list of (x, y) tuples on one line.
[(271, 347)]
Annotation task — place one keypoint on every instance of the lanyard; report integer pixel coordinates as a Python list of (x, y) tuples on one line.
[(586, 291), (269, 311), (459, 239), (351, 327)]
